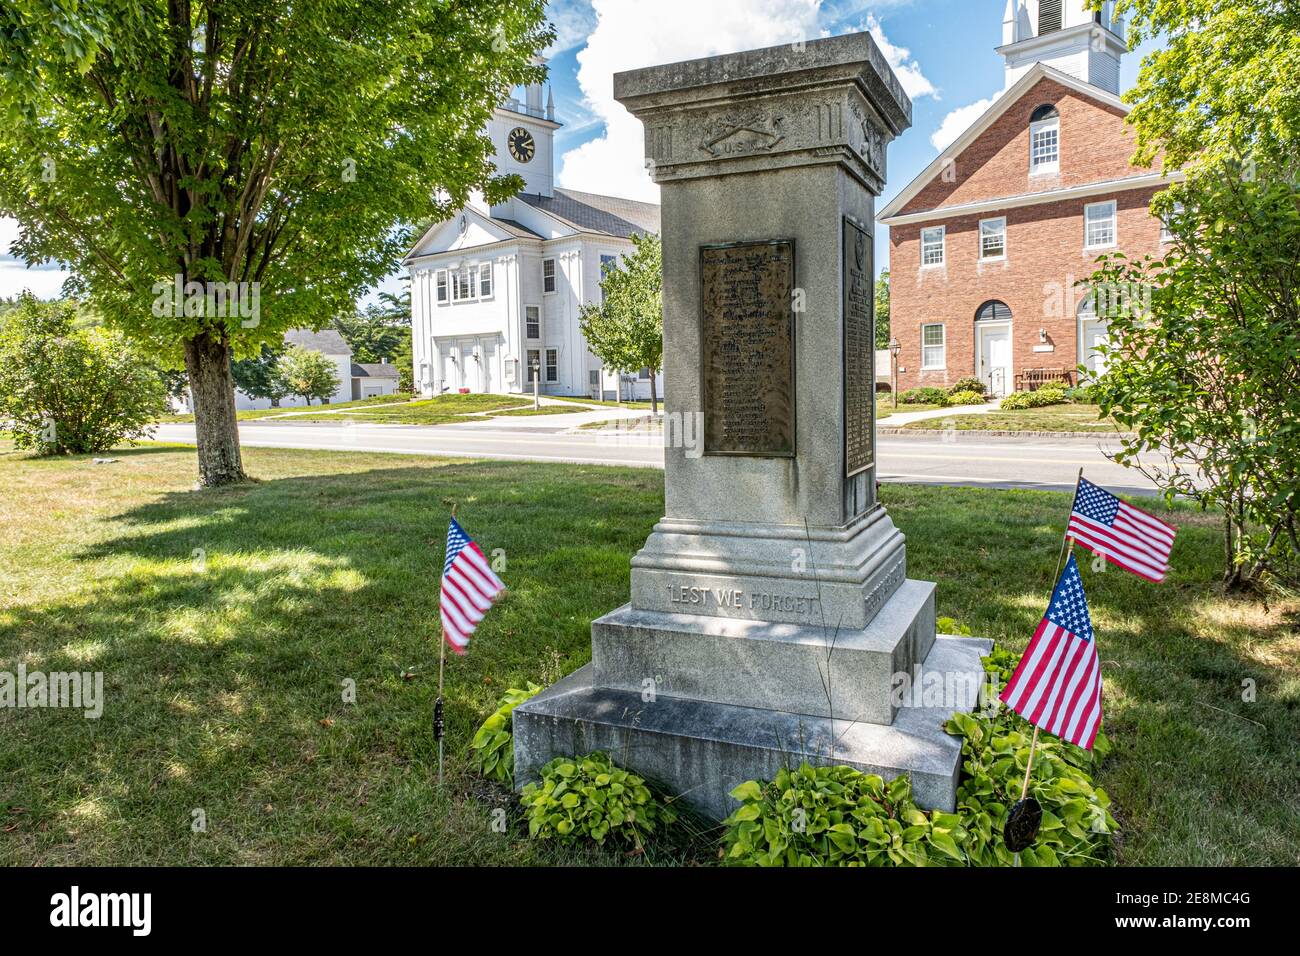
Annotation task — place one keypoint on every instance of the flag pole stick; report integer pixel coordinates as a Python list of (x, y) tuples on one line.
[(437, 706), (1066, 540), (1033, 746)]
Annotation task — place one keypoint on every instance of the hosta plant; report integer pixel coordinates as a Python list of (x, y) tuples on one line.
[(492, 751), (838, 816), (590, 798)]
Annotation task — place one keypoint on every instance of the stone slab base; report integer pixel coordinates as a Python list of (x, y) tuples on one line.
[(815, 670), (699, 750)]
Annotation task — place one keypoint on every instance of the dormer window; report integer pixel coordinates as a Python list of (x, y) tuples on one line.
[(1044, 140)]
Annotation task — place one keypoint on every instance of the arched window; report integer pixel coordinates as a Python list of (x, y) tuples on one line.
[(993, 310), (1045, 140)]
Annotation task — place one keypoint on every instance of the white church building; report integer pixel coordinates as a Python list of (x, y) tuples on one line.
[(496, 291)]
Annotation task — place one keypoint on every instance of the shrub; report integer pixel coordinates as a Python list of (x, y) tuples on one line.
[(925, 395), (829, 816), (590, 797), (1082, 395), (1077, 824), (837, 816), (1053, 394), (492, 751), (966, 398), (968, 384), (72, 390)]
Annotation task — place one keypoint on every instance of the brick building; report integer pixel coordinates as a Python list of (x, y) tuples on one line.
[(987, 242)]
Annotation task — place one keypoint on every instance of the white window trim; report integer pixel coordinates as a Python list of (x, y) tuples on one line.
[(486, 269), (453, 276), (528, 365), (1042, 169), (1114, 225), (540, 319), (942, 345), (546, 366), (1165, 234), (555, 276), (943, 247), (446, 287), (980, 235)]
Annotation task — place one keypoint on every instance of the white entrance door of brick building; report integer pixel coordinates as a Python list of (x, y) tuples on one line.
[(993, 346)]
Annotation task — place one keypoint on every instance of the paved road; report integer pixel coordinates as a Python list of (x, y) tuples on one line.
[(995, 462)]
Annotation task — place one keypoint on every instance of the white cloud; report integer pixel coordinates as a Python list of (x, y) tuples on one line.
[(573, 21), (44, 281), (631, 34), (906, 69), (956, 122)]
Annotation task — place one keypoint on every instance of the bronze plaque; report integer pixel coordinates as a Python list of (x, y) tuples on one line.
[(859, 352), (747, 338)]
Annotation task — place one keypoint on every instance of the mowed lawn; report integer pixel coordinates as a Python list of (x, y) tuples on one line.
[(1050, 418), (226, 623)]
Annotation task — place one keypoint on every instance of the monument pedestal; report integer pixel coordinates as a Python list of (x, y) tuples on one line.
[(771, 620)]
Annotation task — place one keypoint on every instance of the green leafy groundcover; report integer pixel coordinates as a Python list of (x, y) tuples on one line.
[(492, 751), (838, 816), (590, 797)]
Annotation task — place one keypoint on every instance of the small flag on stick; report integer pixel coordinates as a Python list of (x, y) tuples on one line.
[(469, 588), (1125, 536), (1057, 684)]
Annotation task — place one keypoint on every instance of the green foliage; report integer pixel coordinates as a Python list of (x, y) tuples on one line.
[(626, 330), (308, 374), (492, 751), (260, 376), (838, 816), (1077, 824), (968, 384), (589, 797), (1053, 394), (1082, 395), (882, 310), (948, 625), (1202, 367), (1225, 80), (924, 395), (287, 152), (67, 389), (965, 398)]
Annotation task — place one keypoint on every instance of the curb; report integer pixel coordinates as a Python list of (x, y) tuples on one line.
[(998, 433)]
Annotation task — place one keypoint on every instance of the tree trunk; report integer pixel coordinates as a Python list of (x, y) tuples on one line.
[(207, 360), (654, 398)]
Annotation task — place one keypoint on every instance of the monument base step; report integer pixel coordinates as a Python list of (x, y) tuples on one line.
[(698, 751)]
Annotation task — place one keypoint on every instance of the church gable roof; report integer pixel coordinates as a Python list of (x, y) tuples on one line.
[(948, 158), (590, 212)]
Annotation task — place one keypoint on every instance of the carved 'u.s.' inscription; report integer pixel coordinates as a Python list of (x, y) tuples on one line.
[(748, 361), (885, 587), (745, 135)]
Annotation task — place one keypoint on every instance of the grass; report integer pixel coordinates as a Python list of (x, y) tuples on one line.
[(885, 407), (443, 410), (224, 677), (603, 401), (253, 414), (1051, 418)]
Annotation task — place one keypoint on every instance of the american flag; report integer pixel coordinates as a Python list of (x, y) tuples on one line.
[(1057, 684), (1123, 535), (468, 588)]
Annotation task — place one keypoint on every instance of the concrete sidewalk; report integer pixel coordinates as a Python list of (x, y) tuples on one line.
[(904, 418)]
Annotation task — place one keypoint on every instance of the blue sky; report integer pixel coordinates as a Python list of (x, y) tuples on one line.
[(942, 50)]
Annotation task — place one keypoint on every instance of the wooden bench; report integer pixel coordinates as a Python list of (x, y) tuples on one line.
[(1032, 379)]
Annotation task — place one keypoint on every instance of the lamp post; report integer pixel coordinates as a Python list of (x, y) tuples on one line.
[(537, 382), (894, 348)]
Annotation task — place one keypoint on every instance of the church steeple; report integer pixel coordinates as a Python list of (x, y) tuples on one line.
[(1066, 35)]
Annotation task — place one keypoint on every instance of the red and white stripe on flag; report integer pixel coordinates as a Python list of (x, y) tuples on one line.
[(1125, 536), (1057, 684), (469, 588)]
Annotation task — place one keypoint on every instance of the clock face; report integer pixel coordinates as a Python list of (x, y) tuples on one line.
[(521, 144)]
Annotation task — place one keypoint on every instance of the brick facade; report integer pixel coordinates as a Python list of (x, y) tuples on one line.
[(1045, 247)]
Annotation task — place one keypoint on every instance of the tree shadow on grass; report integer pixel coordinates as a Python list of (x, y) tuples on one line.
[(228, 640)]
